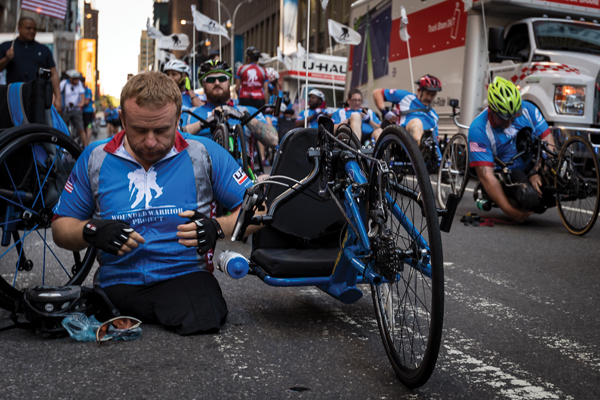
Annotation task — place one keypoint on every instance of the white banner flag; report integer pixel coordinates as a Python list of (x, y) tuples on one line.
[(343, 34), (324, 4), (285, 60), (290, 26), (403, 22), (153, 33), (205, 24), (300, 53), (175, 41)]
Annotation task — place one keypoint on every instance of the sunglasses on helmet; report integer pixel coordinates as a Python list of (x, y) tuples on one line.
[(213, 79), (119, 327)]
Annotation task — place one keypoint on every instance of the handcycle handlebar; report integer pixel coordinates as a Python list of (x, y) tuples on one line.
[(253, 200)]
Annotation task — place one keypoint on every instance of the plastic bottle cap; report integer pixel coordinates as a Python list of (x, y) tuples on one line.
[(237, 267)]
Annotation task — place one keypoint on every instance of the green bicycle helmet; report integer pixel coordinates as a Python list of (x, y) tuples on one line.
[(504, 98), (212, 66)]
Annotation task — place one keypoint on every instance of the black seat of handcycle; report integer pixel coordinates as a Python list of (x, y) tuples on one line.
[(36, 98), (304, 240)]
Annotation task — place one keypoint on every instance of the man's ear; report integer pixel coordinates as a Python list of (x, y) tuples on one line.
[(122, 117)]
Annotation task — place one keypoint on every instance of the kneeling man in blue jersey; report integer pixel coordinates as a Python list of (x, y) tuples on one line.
[(412, 111), (364, 122), (493, 135), (146, 199)]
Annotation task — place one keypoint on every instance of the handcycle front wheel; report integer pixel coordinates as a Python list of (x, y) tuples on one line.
[(453, 173), (409, 306), (577, 183), (35, 161)]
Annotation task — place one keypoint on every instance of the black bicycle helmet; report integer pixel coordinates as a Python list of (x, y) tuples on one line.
[(253, 53), (212, 66)]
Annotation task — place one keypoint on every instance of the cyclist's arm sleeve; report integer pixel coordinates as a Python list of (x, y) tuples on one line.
[(76, 199), (541, 128), (337, 118), (229, 181), (394, 95), (374, 117), (301, 116), (480, 149)]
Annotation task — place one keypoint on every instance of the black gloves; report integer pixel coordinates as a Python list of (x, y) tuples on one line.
[(106, 235), (208, 231)]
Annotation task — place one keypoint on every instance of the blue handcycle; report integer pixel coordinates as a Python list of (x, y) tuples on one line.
[(336, 217)]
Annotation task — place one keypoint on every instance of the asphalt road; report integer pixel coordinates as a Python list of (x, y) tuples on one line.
[(521, 322)]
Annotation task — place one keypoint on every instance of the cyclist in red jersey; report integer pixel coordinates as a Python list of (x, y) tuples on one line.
[(251, 81)]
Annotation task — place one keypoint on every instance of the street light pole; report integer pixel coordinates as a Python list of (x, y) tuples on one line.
[(233, 34), (184, 22)]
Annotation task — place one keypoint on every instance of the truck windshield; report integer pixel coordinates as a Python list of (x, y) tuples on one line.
[(572, 36)]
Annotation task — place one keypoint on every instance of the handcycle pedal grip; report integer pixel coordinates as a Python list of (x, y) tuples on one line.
[(451, 206)]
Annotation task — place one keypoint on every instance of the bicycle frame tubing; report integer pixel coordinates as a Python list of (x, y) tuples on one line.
[(350, 268)]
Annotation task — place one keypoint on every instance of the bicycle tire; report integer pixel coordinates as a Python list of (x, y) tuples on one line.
[(454, 168), (578, 163), (411, 339), (221, 136), (15, 145), (345, 134)]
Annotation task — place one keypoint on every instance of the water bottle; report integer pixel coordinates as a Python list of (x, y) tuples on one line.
[(232, 264), (483, 205)]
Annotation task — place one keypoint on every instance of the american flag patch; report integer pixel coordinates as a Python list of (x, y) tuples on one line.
[(476, 148), (69, 186)]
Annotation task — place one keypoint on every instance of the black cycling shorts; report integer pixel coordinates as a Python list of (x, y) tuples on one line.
[(190, 304), (256, 103), (88, 119)]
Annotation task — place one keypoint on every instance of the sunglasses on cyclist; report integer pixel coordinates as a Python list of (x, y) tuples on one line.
[(213, 79), (116, 328)]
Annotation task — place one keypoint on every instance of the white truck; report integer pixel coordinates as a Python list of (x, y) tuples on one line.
[(550, 49), (325, 72)]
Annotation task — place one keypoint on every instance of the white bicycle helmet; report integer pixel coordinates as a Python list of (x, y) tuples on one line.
[(73, 73), (272, 75), (177, 65), (317, 93)]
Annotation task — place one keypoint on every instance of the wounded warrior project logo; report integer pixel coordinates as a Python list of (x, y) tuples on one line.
[(143, 184)]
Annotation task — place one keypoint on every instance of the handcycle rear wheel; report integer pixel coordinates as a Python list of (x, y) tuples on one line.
[(410, 307), (578, 175), (453, 173), (36, 160)]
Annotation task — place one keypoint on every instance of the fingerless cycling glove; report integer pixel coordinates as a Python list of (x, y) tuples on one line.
[(106, 235)]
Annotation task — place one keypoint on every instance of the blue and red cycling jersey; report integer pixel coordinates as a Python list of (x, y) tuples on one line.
[(487, 141), (406, 101), (108, 183), (345, 113)]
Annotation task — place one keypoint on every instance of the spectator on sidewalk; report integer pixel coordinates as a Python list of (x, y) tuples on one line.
[(23, 57)]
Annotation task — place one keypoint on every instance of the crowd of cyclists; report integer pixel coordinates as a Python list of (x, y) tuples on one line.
[(493, 133)]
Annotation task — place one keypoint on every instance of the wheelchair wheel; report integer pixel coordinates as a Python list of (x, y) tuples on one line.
[(453, 173), (35, 161), (409, 305), (577, 183)]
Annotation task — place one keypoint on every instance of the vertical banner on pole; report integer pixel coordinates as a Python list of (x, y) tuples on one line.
[(290, 26)]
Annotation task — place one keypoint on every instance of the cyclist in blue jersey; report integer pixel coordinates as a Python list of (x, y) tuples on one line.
[(412, 111), (88, 110), (146, 199), (113, 122), (364, 122), (179, 71), (215, 77), (493, 134), (316, 100)]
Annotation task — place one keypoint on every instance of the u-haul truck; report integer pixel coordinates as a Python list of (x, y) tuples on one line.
[(325, 72), (550, 49)]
